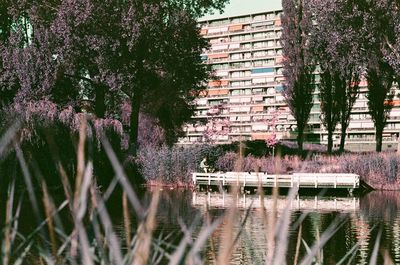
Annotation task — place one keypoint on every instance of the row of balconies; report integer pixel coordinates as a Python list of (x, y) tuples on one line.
[(245, 28), (244, 59), (244, 48), (275, 35), (259, 18)]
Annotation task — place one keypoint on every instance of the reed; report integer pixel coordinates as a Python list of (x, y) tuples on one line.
[(76, 226)]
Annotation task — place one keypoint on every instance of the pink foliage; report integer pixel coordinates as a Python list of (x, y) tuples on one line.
[(126, 111), (215, 125), (42, 109)]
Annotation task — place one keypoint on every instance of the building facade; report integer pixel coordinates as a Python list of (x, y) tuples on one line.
[(246, 101)]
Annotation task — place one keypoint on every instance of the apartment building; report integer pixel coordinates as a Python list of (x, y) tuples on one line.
[(246, 103)]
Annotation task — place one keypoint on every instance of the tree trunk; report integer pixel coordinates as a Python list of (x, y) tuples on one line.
[(330, 140), (342, 138), (300, 139), (100, 106), (134, 124), (379, 136)]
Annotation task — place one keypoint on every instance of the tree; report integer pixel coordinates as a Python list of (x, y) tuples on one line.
[(330, 103), (298, 65), (108, 52), (336, 45), (380, 77), (391, 45), (379, 33), (215, 125)]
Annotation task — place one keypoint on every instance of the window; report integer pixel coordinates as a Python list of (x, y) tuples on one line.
[(260, 54), (241, 74), (246, 46), (259, 17), (270, 16), (241, 19), (266, 62), (220, 66), (236, 56), (235, 92), (247, 55), (236, 74), (257, 90), (259, 44), (271, 52), (262, 70), (220, 22), (246, 37)]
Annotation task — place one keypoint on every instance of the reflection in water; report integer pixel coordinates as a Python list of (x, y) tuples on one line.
[(320, 204), (381, 205), (364, 218)]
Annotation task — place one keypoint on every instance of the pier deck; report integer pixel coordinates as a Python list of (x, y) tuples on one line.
[(301, 180)]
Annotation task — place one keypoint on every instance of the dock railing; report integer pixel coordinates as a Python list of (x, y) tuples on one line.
[(302, 180)]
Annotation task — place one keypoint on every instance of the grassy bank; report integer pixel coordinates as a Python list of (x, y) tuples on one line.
[(175, 165)]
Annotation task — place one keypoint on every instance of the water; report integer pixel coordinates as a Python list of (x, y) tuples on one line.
[(363, 218)]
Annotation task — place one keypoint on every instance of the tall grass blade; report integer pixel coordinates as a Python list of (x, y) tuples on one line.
[(226, 246), (8, 136), (7, 242), (298, 244), (145, 232), (127, 219), (123, 180), (21, 257), (110, 236), (374, 255), (49, 209), (328, 233), (28, 181), (193, 256), (282, 230)]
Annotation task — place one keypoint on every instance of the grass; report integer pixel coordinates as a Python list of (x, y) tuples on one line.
[(76, 226)]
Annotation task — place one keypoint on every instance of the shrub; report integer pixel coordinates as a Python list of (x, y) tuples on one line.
[(174, 165), (226, 162)]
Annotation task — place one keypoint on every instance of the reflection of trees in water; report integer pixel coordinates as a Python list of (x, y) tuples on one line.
[(381, 205), (382, 208)]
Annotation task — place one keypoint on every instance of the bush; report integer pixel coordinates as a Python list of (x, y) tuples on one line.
[(175, 165)]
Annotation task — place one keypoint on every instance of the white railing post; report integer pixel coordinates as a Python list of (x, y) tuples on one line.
[(209, 179), (194, 179), (291, 181), (355, 179), (335, 183), (316, 202), (316, 180)]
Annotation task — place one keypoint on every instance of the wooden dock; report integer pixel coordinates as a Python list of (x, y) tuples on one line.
[(300, 203), (301, 180)]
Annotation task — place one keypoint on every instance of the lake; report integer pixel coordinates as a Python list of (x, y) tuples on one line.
[(361, 220)]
